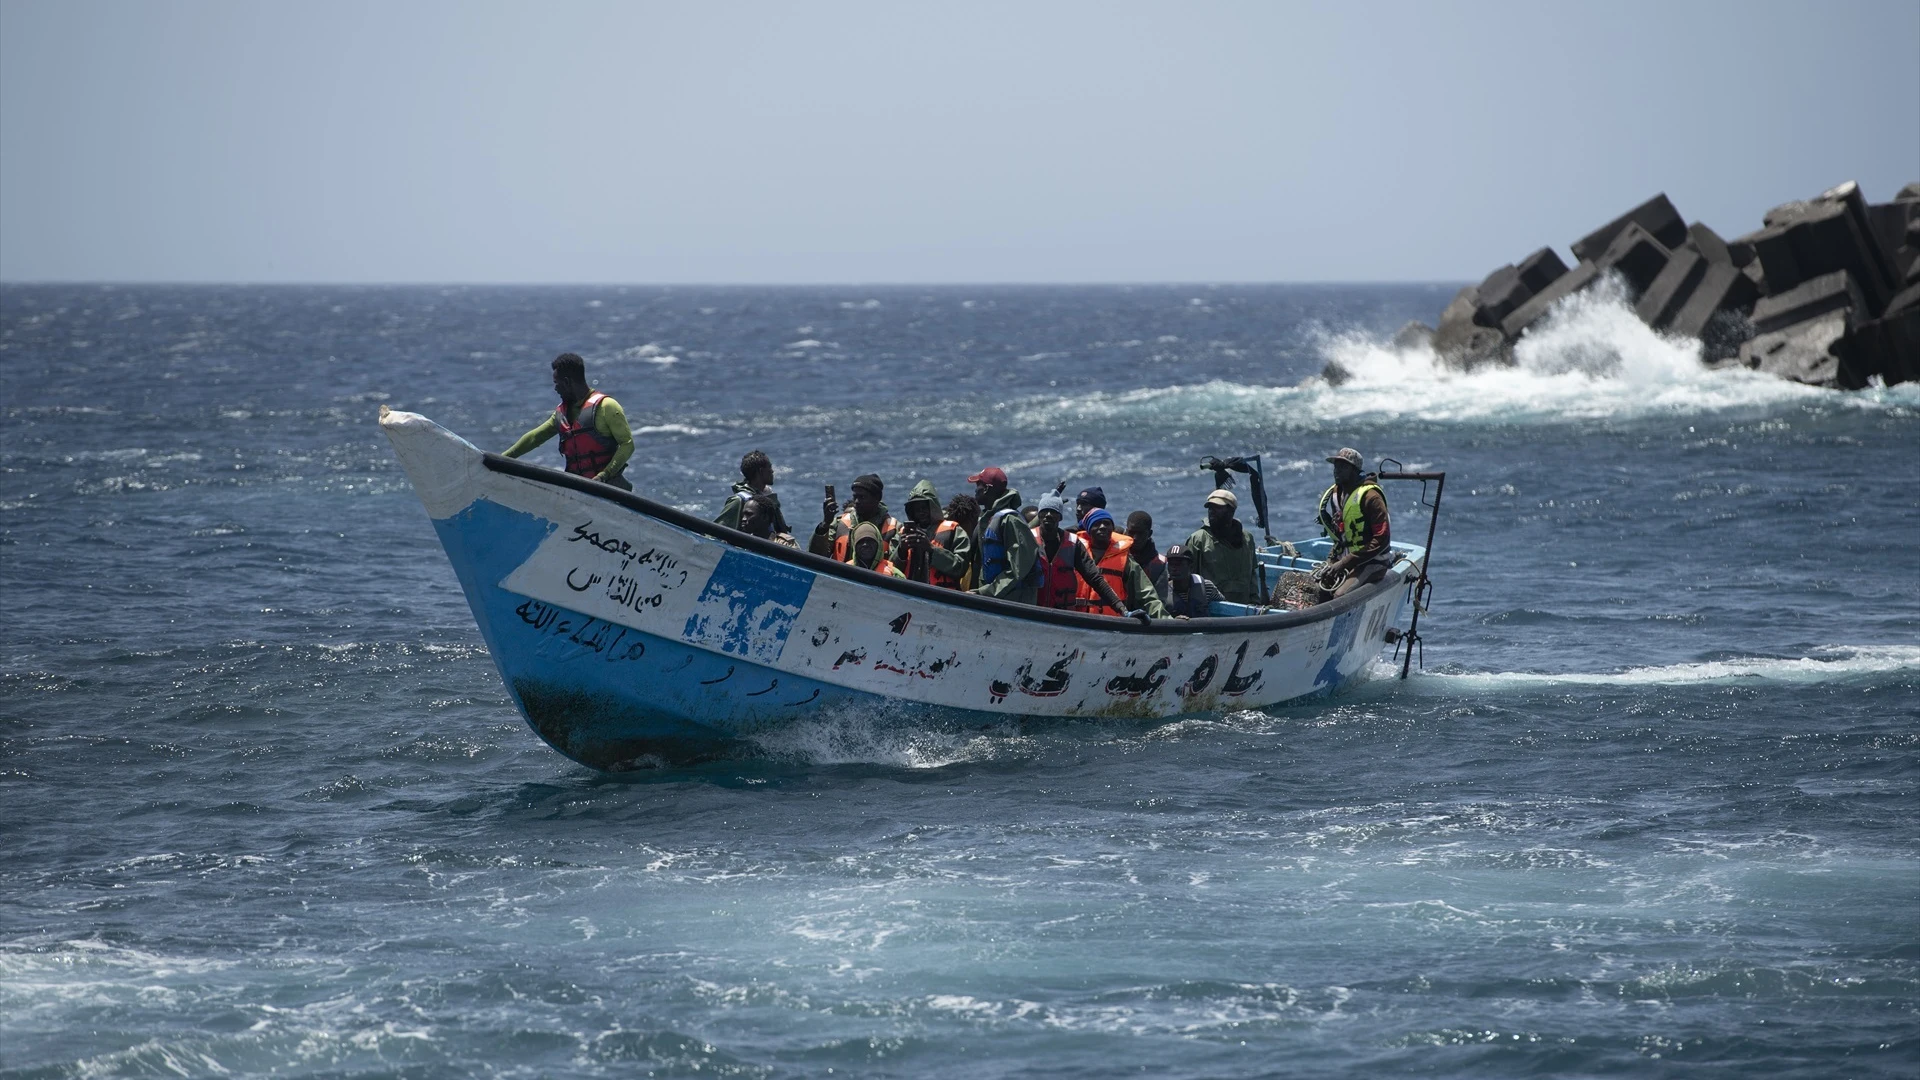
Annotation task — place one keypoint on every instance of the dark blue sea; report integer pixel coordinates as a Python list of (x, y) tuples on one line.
[(1652, 808)]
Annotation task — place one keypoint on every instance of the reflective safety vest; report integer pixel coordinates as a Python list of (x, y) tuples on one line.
[(1063, 572), (843, 535), (1113, 564), (943, 539), (1345, 522), (993, 554), (586, 450), (884, 566)]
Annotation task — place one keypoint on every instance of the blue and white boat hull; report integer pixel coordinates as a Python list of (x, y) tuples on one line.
[(629, 632)]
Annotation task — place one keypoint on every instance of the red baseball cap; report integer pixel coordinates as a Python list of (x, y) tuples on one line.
[(992, 474)]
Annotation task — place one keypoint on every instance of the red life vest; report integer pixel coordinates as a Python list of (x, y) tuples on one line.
[(1063, 574), (943, 539), (1114, 565), (843, 536), (586, 450)]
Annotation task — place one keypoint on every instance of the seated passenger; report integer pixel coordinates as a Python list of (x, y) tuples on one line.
[(1070, 569), (1223, 552), (1185, 593), (918, 550), (1006, 561), (1086, 503), (954, 535), (757, 470), (1113, 555), (867, 548), (1140, 528), (759, 516), (1354, 513), (832, 537)]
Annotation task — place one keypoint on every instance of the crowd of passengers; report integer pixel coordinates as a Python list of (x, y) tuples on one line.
[(992, 544)]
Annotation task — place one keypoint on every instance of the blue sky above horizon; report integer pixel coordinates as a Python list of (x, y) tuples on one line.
[(880, 144)]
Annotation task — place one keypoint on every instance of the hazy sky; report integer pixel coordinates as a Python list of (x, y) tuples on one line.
[(914, 142)]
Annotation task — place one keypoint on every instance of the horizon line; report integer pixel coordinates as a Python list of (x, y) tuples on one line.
[(1197, 284)]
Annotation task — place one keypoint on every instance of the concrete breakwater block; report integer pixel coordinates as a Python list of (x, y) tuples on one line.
[(1715, 311), (1896, 227), (1499, 294), (1818, 237), (1674, 286), (1636, 255), (1708, 243), (1537, 305), (1414, 335), (1657, 216), (1462, 343), (1888, 346), (1802, 352), (1541, 269), (1826, 292), (1811, 299)]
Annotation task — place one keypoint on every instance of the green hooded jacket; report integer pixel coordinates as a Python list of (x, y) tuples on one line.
[(954, 562), (1016, 537)]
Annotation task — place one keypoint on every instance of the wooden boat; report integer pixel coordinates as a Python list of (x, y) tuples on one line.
[(631, 633)]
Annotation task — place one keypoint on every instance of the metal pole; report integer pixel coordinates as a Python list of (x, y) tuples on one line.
[(1426, 561)]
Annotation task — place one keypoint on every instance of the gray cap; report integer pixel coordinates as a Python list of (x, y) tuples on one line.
[(1053, 503), (1349, 455)]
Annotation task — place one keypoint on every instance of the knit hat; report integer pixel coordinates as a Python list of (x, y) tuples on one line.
[(869, 482), (1097, 514)]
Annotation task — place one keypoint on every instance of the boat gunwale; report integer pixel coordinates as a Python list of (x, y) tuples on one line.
[(820, 564)]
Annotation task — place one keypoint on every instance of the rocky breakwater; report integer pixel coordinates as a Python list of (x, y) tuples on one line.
[(1825, 292)]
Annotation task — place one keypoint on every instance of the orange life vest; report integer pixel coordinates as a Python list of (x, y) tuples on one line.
[(885, 567), (943, 539), (910, 558), (586, 450), (1114, 565), (843, 536), (1063, 572)]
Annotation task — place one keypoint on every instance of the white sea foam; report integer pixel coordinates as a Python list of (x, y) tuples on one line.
[(1590, 360), (651, 353), (1827, 664), (871, 736)]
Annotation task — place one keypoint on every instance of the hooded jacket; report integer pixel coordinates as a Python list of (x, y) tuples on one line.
[(952, 563), (1016, 537)]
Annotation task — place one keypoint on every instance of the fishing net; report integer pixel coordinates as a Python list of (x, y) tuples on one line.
[(1296, 589)]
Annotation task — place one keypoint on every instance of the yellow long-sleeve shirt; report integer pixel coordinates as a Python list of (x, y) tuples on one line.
[(609, 420)]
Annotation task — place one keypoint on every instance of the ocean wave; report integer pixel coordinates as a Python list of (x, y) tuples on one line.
[(1592, 360), (876, 736), (1828, 664)]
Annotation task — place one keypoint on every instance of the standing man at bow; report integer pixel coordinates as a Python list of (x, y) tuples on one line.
[(594, 437)]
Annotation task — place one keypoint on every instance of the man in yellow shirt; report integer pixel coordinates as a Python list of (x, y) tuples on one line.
[(594, 437)]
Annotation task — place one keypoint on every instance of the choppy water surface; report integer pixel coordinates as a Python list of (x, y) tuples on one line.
[(267, 809)]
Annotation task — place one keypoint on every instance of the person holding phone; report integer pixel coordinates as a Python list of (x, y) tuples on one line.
[(833, 536)]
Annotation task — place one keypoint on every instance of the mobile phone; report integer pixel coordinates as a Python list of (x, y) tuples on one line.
[(830, 494)]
